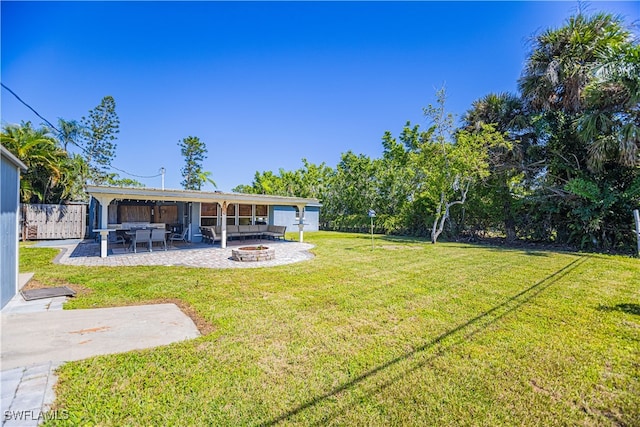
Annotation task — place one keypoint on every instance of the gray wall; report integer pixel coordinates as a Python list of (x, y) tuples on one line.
[(286, 215), (312, 218), (9, 203)]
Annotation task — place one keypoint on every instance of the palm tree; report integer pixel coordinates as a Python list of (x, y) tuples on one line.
[(563, 60), (582, 79), (50, 174), (611, 123), (506, 113), (70, 132), (204, 177)]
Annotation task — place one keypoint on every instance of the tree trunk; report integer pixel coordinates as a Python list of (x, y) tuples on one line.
[(435, 232), (509, 220)]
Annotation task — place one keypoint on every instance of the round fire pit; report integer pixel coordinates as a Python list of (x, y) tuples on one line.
[(253, 253)]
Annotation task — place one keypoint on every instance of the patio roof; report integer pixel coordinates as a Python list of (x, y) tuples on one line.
[(105, 192)]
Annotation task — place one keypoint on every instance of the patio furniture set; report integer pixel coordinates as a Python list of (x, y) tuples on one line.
[(144, 234), (132, 235), (212, 234)]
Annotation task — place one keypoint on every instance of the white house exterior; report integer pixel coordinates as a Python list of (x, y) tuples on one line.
[(9, 222)]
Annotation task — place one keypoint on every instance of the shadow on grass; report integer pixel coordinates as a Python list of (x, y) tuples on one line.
[(528, 249), (627, 308), (459, 334), (532, 249)]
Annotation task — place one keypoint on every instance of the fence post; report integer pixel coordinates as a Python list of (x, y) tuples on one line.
[(636, 216)]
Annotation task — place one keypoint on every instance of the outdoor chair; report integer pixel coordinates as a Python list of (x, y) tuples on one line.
[(207, 235), (214, 237), (114, 237), (158, 235), (175, 237), (142, 237)]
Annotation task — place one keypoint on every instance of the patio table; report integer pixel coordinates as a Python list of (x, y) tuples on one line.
[(132, 234)]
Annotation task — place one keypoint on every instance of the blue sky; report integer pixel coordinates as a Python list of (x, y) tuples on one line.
[(263, 84)]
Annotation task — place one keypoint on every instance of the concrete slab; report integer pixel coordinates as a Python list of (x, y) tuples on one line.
[(27, 394), (19, 305), (23, 279), (60, 336)]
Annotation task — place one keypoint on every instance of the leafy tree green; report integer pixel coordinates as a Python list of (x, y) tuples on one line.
[(356, 177), (309, 181), (450, 161), (559, 163)]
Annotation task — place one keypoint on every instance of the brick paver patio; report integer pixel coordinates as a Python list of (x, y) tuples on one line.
[(87, 253)]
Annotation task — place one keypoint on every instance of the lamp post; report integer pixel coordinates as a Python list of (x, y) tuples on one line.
[(372, 214)]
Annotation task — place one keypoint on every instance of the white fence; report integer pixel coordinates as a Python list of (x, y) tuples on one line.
[(41, 222)]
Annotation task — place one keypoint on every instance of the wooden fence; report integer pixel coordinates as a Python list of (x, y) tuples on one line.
[(41, 222)]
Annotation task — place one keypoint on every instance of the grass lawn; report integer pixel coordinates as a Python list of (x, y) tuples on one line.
[(407, 333)]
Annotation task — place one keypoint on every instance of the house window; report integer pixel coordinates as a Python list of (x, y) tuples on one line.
[(262, 214), (208, 214), (245, 210), (245, 214)]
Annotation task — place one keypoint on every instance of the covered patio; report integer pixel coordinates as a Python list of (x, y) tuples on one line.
[(186, 212)]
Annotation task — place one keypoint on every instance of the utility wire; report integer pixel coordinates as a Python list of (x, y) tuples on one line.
[(29, 107), (134, 175), (73, 142)]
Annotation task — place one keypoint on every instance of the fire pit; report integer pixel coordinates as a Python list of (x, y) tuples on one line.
[(253, 253)]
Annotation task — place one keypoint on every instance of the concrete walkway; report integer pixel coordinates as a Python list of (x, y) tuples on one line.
[(38, 336)]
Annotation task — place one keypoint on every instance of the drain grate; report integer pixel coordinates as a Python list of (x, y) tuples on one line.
[(61, 291)]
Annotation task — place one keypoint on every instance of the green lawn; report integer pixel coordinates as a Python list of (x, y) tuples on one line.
[(407, 333)]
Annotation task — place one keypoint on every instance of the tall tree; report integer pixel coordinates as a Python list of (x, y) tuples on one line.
[(194, 152), (582, 81), (356, 184), (496, 199), (450, 162), (100, 131)]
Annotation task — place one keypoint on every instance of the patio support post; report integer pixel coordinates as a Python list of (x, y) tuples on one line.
[(301, 223), (104, 222), (223, 226)]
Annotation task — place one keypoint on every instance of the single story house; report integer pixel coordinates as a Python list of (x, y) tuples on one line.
[(186, 210), (10, 169)]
